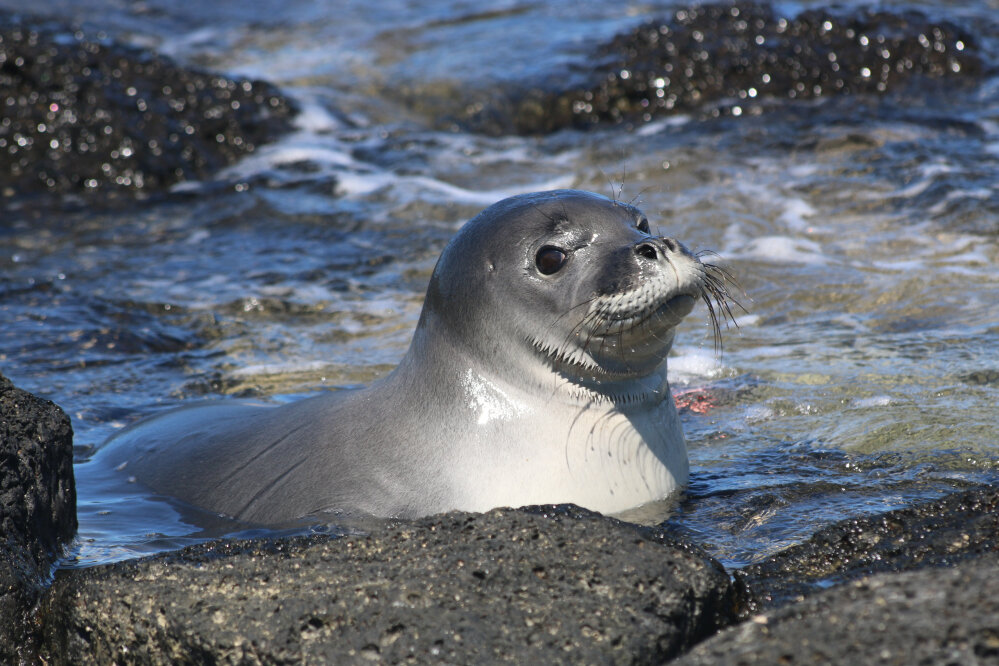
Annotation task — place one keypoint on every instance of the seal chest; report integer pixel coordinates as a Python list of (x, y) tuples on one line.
[(600, 456), (537, 374)]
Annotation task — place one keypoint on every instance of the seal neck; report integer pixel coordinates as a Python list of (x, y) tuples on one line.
[(439, 360)]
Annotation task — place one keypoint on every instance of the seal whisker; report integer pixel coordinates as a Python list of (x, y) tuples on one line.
[(716, 279), (635, 200), (543, 213)]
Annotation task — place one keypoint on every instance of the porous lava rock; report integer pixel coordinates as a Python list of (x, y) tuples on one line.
[(929, 616), (959, 527), (506, 586), (37, 508), (736, 56), (98, 119)]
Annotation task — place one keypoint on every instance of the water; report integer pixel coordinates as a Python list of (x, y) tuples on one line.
[(862, 230)]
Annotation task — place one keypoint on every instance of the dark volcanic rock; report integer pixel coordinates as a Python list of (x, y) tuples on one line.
[(37, 506), (743, 53), (460, 588), (931, 616), (100, 119), (958, 527)]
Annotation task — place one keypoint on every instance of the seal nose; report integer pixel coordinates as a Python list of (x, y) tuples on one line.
[(653, 248), (647, 250)]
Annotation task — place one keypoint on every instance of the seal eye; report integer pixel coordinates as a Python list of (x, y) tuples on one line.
[(550, 259), (643, 226)]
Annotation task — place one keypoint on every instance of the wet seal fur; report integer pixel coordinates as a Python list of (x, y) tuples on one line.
[(537, 374)]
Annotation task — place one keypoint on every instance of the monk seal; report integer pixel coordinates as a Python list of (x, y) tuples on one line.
[(536, 374)]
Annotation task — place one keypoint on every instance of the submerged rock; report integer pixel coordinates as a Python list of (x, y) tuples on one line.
[(931, 616), (37, 508), (508, 585), (737, 54), (101, 119)]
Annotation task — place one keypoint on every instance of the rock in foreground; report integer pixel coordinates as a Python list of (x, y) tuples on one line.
[(37, 507), (460, 588), (930, 616), (944, 532)]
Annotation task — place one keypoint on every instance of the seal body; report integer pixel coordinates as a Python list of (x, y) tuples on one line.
[(537, 374)]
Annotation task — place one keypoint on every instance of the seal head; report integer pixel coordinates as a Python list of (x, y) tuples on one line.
[(568, 278)]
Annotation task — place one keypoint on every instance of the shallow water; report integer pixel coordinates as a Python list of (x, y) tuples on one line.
[(862, 230)]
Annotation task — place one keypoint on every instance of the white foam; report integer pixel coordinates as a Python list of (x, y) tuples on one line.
[(269, 369), (651, 129), (198, 236), (299, 147), (354, 183), (692, 364), (979, 193), (313, 117), (873, 401), (928, 172), (180, 47), (780, 249), (795, 212), (485, 197), (757, 413), (747, 320)]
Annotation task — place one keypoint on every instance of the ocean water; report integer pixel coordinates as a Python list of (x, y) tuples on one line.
[(863, 374)]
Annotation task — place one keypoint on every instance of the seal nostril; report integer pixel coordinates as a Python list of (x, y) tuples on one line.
[(647, 250), (671, 244)]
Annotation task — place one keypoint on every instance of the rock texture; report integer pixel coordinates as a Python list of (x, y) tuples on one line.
[(954, 529), (930, 616), (739, 54), (37, 507), (99, 119), (506, 586)]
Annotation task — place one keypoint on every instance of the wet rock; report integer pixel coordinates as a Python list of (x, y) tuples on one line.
[(981, 377), (736, 57), (509, 585), (99, 119), (37, 507), (948, 531), (931, 616)]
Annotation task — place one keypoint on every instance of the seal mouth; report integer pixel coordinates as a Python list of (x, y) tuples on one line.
[(667, 313), (678, 306)]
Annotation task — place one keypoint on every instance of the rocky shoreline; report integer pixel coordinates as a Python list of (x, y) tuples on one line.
[(531, 585)]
